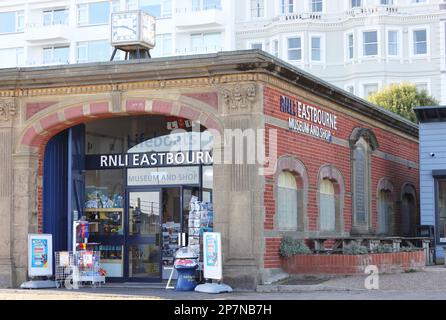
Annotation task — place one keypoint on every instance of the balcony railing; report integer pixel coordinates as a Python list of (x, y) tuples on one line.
[(198, 50), (360, 12)]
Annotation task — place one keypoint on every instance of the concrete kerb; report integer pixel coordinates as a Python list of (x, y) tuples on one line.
[(302, 288)]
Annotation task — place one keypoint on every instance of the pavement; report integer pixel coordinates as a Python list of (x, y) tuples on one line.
[(429, 284)]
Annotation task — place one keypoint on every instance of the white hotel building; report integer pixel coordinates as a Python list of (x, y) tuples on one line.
[(358, 45)]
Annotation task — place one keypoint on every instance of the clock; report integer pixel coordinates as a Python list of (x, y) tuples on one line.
[(132, 29)]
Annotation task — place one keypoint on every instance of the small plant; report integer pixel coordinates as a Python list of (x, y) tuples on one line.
[(384, 248), (355, 248), (290, 247), (410, 271), (408, 249)]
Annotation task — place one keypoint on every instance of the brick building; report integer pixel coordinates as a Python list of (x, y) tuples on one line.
[(337, 165)]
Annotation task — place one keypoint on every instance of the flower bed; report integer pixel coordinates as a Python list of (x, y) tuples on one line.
[(353, 264)]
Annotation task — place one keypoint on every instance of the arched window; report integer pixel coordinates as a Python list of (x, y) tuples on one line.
[(360, 182), (287, 199), (330, 199), (327, 206), (363, 142), (385, 214), (409, 212)]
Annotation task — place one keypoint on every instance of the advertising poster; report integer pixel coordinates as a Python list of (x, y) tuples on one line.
[(212, 255), (40, 255)]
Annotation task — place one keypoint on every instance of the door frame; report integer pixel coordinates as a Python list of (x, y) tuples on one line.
[(127, 236)]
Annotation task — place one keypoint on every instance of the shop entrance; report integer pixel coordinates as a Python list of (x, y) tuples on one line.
[(131, 180), (143, 236)]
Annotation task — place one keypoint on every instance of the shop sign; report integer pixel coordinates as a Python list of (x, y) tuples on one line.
[(40, 255), (163, 176), (212, 264), (147, 160), (308, 119)]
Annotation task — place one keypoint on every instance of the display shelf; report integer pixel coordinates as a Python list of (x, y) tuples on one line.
[(104, 210)]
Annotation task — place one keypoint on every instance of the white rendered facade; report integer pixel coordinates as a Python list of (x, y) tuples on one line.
[(39, 32), (360, 49)]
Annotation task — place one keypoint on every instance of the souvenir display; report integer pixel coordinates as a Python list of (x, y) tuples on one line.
[(170, 231), (201, 219)]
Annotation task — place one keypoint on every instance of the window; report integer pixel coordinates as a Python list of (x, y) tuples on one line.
[(287, 201), (327, 206), (157, 8), (350, 89), (206, 42), (11, 21), (56, 55), (419, 42), (392, 43), (286, 6), (385, 212), (257, 8), (115, 5), (418, 1), (370, 41), (316, 5), (258, 46), (356, 3), (421, 86), (163, 45), (294, 49), (93, 13), (409, 214), (360, 183), (276, 48), (369, 89), (12, 57), (93, 51), (55, 17), (386, 2), (198, 5), (350, 46), (316, 49)]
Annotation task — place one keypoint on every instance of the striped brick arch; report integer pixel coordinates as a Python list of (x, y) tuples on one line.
[(41, 129), (37, 133)]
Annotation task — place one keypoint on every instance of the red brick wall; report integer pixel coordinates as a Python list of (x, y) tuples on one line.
[(314, 153)]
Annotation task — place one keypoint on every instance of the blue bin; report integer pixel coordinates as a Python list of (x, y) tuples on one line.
[(186, 278)]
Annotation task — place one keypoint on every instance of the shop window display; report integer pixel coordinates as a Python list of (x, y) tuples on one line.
[(104, 205)]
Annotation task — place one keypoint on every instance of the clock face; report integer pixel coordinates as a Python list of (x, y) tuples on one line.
[(148, 30), (125, 27)]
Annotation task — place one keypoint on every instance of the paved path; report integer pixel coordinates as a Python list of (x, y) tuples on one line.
[(430, 285)]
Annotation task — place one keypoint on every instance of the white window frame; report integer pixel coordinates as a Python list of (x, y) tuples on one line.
[(347, 46), (52, 15), (362, 85), (351, 4), (16, 50), (426, 81), (85, 44), (399, 43), (350, 85), (322, 48), (250, 17), (311, 6), (412, 54), (387, 4), (202, 34), (85, 6), (281, 7), (17, 27), (378, 43), (53, 47), (302, 47), (273, 49), (251, 42)]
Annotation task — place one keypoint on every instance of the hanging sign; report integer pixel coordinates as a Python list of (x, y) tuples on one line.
[(40, 255), (212, 262), (308, 119)]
